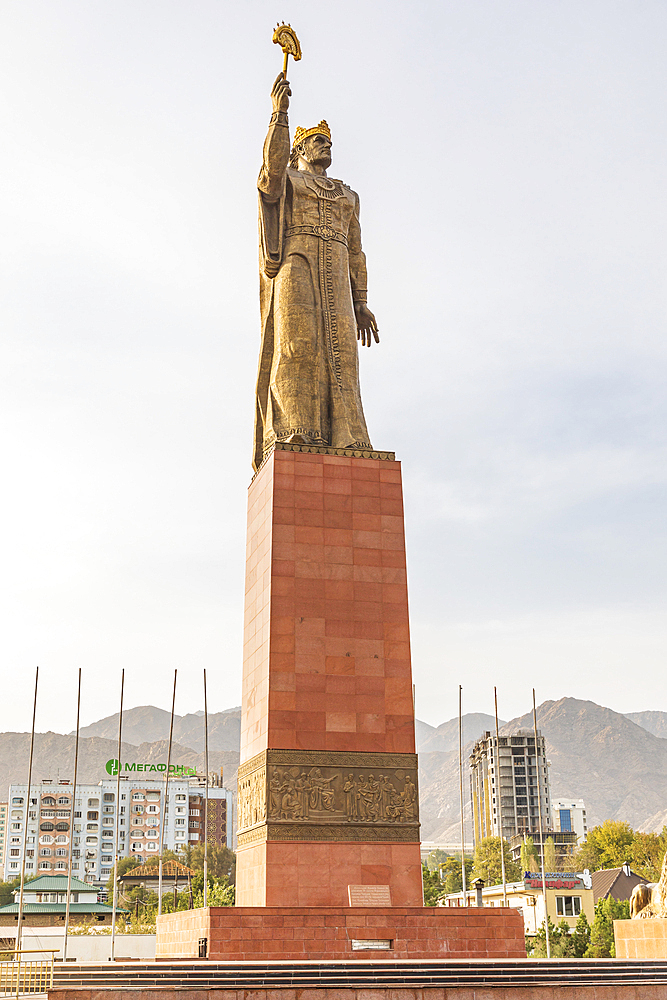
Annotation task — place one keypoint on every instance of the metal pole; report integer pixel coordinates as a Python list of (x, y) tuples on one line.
[(539, 808), (25, 822), (463, 836), (498, 793), (117, 838), (166, 790), (71, 827), (206, 798)]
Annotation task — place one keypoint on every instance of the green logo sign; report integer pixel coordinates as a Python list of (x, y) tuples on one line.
[(113, 766)]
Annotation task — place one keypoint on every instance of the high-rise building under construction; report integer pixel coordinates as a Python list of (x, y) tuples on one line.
[(505, 783)]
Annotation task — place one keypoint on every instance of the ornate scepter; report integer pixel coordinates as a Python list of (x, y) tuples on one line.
[(285, 36)]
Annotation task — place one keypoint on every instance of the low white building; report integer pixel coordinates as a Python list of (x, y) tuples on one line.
[(569, 816), (568, 895)]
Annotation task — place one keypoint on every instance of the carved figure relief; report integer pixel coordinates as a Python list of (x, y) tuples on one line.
[(320, 790)]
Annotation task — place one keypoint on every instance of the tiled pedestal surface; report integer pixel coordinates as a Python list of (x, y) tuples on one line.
[(293, 934), (642, 939), (327, 682)]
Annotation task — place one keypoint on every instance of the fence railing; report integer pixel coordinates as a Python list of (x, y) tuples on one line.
[(21, 976)]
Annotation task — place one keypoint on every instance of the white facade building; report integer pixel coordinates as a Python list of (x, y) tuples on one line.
[(569, 816), (61, 828)]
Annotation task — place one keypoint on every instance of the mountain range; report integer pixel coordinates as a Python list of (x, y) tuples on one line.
[(616, 763)]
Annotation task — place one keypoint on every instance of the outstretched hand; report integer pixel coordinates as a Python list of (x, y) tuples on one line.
[(367, 327), (281, 93)]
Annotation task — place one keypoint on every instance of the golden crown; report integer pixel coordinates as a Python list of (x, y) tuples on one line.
[(303, 133)]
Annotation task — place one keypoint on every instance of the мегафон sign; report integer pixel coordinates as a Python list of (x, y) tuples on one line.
[(113, 766)]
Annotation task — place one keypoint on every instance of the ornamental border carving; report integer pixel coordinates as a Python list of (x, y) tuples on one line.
[(313, 449)]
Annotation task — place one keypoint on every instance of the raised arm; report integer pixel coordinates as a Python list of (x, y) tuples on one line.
[(277, 144), (367, 328)]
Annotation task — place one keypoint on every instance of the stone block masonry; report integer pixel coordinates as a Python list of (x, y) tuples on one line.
[(241, 934)]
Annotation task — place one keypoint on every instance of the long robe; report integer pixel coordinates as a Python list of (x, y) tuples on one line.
[(312, 270)]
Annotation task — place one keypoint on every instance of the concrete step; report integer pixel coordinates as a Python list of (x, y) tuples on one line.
[(275, 975)]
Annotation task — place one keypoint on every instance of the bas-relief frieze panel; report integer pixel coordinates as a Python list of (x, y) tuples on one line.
[(314, 795)]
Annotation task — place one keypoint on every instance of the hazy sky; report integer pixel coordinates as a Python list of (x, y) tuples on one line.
[(510, 159)]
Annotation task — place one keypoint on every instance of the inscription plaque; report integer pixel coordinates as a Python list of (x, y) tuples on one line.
[(369, 895)]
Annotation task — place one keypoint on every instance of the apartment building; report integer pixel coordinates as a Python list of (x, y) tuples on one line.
[(81, 830), (506, 778)]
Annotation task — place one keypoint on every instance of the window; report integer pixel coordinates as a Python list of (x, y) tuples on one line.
[(48, 801), (77, 815), (62, 866), (138, 797), (92, 815), (137, 809), (14, 852), (180, 798), (61, 852), (62, 826), (45, 852), (17, 802), (180, 822), (153, 796), (47, 812), (63, 802), (93, 803), (109, 797), (92, 827), (568, 906)]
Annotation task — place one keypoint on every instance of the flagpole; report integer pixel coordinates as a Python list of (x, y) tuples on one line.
[(463, 838), (166, 791), (206, 798), (71, 828), (117, 837), (539, 809), (25, 822), (498, 795)]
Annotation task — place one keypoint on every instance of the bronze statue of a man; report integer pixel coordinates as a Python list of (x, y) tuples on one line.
[(312, 293)]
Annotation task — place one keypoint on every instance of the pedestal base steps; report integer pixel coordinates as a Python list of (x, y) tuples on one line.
[(253, 933)]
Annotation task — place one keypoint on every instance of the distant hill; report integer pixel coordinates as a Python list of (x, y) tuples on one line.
[(54, 758), (148, 724), (653, 722), (446, 736)]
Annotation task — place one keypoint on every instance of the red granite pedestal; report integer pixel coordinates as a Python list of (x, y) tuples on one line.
[(327, 785), (327, 677)]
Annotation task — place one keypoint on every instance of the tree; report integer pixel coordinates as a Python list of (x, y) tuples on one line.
[(6, 891), (221, 861), (607, 846), (530, 859), (487, 862), (648, 850), (550, 855), (602, 931), (436, 858), (451, 874), (581, 936), (433, 888), (561, 942)]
